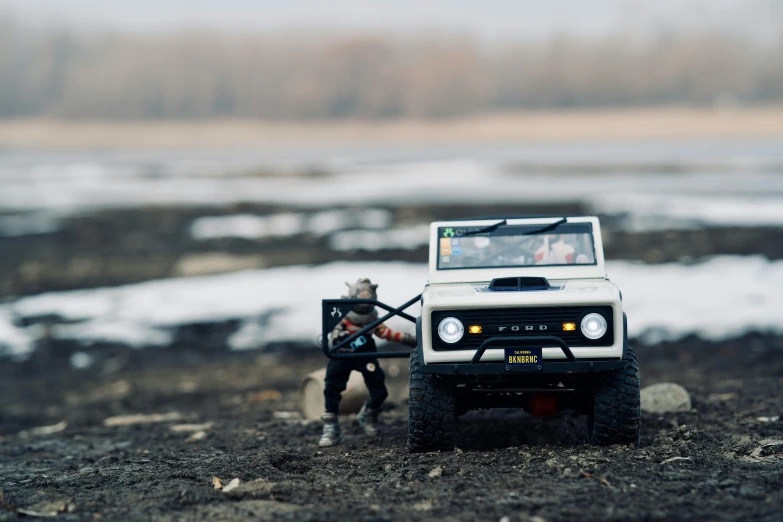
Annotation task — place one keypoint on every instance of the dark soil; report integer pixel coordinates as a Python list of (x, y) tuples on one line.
[(124, 246), (507, 464)]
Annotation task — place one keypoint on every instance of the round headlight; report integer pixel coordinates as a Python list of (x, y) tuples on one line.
[(593, 326), (450, 330)]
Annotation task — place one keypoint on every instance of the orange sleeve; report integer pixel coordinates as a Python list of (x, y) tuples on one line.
[(384, 332)]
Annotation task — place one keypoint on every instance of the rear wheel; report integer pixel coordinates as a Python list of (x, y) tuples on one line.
[(431, 410), (615, 416)]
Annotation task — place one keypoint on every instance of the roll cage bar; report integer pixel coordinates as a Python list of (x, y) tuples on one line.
[(333, 311)]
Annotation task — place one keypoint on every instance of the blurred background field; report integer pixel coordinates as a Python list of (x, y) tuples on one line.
[(182, 182)]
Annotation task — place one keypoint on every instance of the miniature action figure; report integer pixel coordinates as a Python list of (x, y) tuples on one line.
[(338, 371)]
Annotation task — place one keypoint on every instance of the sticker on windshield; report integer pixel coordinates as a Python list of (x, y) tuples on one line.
[(481, 242)]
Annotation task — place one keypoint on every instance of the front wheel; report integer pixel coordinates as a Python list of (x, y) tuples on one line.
[(615, 416), (432, 410)]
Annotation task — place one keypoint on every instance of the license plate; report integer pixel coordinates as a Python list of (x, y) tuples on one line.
[(523, 359)]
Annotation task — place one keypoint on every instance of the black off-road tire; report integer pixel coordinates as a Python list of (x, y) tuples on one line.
[(431, 410), (616, 411)]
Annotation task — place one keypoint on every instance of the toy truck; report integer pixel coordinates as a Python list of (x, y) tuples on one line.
[(518, 313)]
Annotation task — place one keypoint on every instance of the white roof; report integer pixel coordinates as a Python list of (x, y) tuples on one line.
[(596, 271)]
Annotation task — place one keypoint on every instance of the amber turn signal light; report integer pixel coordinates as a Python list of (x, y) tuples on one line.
[(475, 329), (569, 327)]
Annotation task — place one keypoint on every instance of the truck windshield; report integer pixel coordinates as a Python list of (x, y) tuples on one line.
[(515, 246)]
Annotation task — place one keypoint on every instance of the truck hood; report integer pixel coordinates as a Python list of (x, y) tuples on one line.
[(565, 292)]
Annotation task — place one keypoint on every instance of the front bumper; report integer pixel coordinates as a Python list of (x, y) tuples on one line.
[(547, 367)]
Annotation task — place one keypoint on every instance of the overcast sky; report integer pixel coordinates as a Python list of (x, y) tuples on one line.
[(485, 18)]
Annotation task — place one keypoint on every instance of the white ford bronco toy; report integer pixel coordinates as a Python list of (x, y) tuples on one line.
[(518, 313)]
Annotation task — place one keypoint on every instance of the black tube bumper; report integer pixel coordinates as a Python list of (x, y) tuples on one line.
[(570, 366), (547, 367)]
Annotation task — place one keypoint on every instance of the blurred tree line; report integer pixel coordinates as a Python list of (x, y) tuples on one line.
[(192, 74)]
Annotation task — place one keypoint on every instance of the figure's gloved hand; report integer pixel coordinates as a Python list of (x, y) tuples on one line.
[(336, 337), (408, 339)]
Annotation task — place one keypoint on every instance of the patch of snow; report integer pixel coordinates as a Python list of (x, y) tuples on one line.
[(26, 224), (249, 336), (724, 297), (250, 226), (330, 221), (132, 333), (15, 342), (672, 212), (247, 226)]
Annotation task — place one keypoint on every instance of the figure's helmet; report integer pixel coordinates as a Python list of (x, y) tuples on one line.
[(362, 289)]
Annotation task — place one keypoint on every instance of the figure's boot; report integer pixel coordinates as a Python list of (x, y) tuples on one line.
[(331, 435), (368, 419)]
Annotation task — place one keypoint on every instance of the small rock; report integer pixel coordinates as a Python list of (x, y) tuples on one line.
[(187, 386), (768, 447), (81, 360), (265, 395), (665, 397), (217, 483), (255, 489), (768, 419), (435, 473), (187, 428), (674, 459), (552, 463), (569, 473), (721, 397), (199, 435), (287, 415), (422, 506), (45, 508), (130, 420), (44, 430), (231, 485), (748, 491)]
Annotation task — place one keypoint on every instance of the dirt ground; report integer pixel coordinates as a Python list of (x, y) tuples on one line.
[(715, 462), (68, 447)]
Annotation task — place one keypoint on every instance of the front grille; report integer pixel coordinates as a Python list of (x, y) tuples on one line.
[(492, 320)]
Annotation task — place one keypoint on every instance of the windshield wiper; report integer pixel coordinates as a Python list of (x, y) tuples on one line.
[(547, 228), (483, 230)]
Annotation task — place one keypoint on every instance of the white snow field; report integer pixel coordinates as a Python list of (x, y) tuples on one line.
[(723, 297), (250, 226), (662, 183)]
